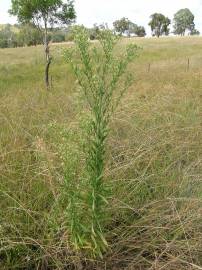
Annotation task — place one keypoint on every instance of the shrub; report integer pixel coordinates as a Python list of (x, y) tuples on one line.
[(100, 75)]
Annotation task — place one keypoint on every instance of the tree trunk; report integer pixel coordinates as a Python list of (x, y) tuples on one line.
[(48, 57), (48, 62)]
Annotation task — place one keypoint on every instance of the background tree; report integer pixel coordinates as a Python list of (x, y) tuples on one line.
[(8, 38), (159, 24), (94, 32), (140, 31), (29, 35), (194, 32), (44, 14), (58, 35), (183, 20), (136, 30), (121, 26)]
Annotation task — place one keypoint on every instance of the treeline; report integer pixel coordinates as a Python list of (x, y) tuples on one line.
[(29, 35), (21, 35), (183, 22)]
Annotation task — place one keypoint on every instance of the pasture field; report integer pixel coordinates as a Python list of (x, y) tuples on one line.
[(153, 168)]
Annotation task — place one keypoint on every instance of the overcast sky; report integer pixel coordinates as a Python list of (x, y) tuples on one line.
[(100, 11)]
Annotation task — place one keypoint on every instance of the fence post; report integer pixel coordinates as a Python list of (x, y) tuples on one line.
[(188, 64), (149, 67), (51, 82)]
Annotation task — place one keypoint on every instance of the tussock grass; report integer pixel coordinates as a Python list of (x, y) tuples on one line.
[(154, 161)]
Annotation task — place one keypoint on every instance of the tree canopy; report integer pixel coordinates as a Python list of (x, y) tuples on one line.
[(125, 26), (43, 11), (159, 24), (122, 25), (183, 20), (136, 30)]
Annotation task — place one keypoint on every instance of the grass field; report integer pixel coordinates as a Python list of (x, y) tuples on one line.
[(154, 161)]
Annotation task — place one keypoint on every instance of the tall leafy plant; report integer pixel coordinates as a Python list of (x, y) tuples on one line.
[(100, 75)]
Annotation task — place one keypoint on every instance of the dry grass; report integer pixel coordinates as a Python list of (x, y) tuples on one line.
[(154, 163)]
